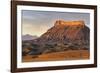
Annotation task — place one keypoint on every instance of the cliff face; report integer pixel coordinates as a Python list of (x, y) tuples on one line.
[(70, 23), (67, 32)]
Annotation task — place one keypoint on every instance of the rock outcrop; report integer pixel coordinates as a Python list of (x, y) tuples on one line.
[(66, 32)]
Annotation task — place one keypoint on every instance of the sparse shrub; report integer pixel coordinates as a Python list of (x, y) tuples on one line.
[(46, 51), (85, 48), (35, 45), (35, 56), (49, 46), (24, 53), (72, 47)]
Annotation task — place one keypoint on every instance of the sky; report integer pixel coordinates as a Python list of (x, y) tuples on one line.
[(38, 22)]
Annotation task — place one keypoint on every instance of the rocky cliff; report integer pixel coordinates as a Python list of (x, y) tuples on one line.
[(66, 32)]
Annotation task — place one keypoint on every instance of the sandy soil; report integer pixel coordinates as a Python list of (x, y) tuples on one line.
[(66, 55)]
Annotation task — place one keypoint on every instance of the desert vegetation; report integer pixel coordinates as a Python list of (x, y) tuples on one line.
[(35, 52)]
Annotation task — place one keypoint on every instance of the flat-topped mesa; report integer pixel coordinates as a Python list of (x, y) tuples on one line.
[(70, 23)]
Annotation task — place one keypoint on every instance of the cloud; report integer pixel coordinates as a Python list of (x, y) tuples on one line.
[(37, 22)]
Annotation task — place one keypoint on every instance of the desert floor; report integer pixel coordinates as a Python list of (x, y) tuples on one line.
[(66, 55)]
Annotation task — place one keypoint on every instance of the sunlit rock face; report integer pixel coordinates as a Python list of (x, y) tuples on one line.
[(70, 23), (67, 32)]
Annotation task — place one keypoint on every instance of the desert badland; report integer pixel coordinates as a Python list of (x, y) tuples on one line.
[(66, 40)]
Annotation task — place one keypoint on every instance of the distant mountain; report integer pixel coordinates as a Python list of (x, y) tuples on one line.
[(28, 37)]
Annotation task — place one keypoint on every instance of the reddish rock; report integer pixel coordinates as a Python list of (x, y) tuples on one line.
[(67, 31)]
